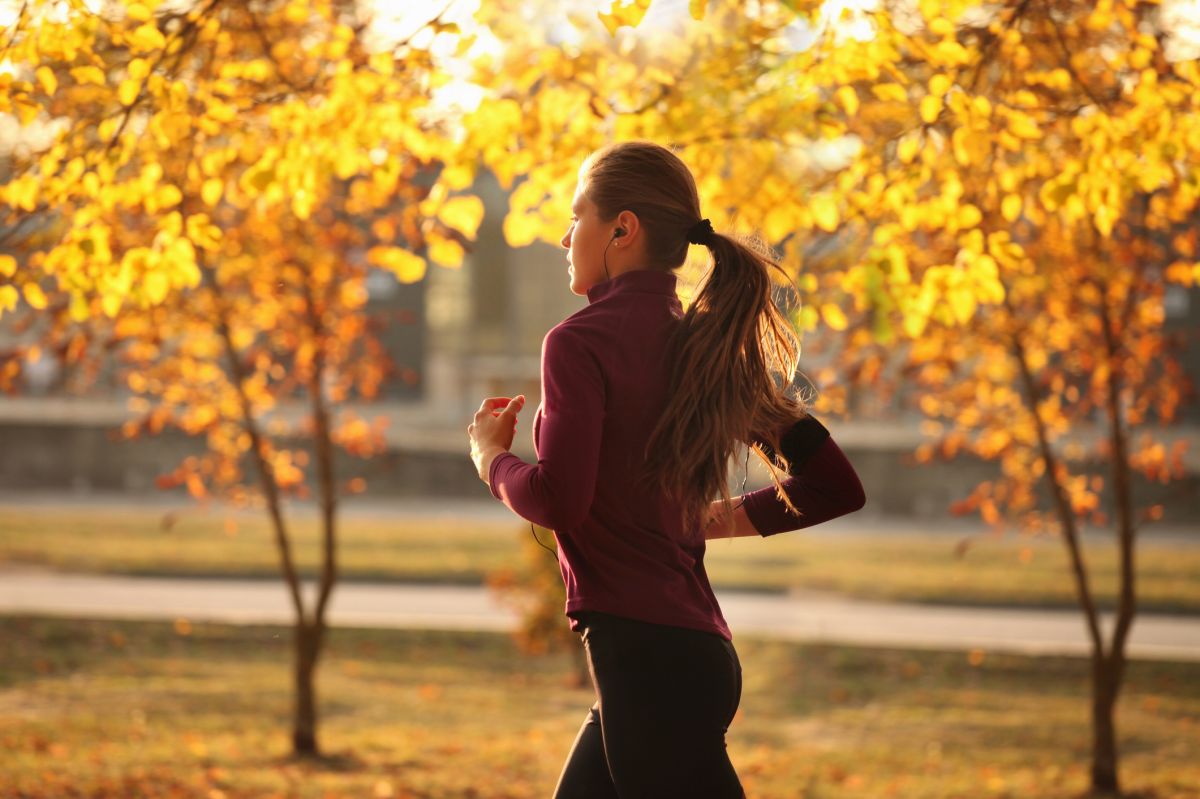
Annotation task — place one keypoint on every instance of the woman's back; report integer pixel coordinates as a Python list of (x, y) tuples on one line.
[(604, 390)]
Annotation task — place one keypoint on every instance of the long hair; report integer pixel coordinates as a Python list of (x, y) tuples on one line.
[(733, 355)]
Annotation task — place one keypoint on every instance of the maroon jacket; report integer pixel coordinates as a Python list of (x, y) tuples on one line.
[(604, 387)]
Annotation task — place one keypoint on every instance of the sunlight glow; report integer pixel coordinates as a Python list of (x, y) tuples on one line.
[(1182, 19)]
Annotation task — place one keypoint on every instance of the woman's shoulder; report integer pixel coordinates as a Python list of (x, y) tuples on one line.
[(582, 328)]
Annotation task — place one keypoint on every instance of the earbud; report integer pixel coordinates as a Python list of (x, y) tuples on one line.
[(618, 233)]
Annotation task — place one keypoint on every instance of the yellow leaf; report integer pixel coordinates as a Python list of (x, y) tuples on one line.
[(137, 12), (1104, 217), (353, 294), (35, 296), (296, 13), (697, 8), (138, 69), (940, 26), (824, 211), (107, 128), (212, 190), (629, 13), (457, 176), (201, 233), (848, 98), (169, 196), (88, 74), (8, 298), (1023, 125), (383, 62), (833, 316), (128, 91), (45, 77), (969, 216), (1181, 272), (1010, 208), (111, 304), (26, 112), (346, 163), (80, 309), (962, 303), (958, 142), (930, 108), (156, 286), (446, 252), (147, 38), (778, 222), (890, 91), (521, 229), (8, 266), (463, 214), (406, 266)]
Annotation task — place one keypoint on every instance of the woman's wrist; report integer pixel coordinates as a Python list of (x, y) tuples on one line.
[(483, 462), (728, 521)]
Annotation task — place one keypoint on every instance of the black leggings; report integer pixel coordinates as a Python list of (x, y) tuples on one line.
[(665, 698)]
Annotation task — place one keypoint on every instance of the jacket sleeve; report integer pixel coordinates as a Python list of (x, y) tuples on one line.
[(821, 483), (557, 492)]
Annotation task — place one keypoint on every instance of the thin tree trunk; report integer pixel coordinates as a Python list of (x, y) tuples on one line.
[(1063, 507), (304, 728), (1104, 764), (1105, 678), (324, 456), (307, 639), (309, 645)]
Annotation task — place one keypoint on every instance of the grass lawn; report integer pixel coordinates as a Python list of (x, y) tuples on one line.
[(123, 709), (1008, 570)]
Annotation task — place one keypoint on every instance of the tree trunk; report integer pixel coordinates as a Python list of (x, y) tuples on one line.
[(1104, 733), (1104, 752), (307, 655), (304, 722)]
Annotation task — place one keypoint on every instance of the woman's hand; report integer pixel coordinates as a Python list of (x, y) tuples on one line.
[(492, 431)]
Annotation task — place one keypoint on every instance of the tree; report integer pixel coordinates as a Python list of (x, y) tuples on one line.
[(1010, 188), (201, 209)]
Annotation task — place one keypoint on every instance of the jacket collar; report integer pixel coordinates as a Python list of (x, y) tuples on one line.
[(645, 281)]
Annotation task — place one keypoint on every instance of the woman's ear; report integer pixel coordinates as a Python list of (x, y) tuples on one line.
[(628, 223)]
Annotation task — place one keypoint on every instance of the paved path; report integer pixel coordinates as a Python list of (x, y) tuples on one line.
[(801, 617)]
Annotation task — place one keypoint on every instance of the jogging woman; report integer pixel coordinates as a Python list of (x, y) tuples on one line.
[(643, 405)]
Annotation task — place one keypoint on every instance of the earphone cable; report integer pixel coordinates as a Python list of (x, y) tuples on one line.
[(543, 546)]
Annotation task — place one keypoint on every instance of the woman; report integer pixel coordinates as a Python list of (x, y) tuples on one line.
[(642, 407)]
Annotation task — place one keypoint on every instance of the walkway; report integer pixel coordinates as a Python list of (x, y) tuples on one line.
[(799, 617)]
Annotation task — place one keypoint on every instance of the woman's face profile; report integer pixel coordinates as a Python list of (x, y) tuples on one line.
[(585, 240)]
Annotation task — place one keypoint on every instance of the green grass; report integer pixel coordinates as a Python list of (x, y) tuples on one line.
[(1005, 570), (108, 709)]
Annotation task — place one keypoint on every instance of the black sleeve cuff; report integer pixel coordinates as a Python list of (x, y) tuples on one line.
[(799, 442)]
